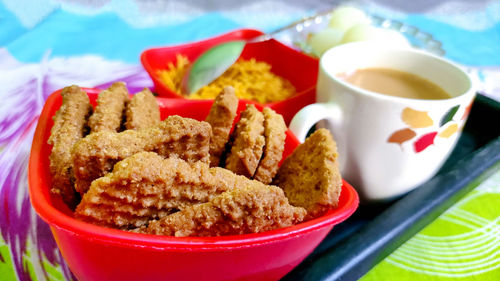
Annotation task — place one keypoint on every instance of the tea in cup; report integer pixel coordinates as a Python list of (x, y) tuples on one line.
[(396, 114)]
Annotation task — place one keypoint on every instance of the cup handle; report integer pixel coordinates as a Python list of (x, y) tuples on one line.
[(303, 121)]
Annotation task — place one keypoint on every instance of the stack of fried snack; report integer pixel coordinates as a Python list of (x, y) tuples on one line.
[(183, 177)]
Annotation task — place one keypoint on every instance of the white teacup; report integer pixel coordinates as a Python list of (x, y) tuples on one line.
[(387, 145)]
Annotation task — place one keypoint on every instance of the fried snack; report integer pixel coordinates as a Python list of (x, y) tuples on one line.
[(146, 186), (69, 126), (221, 117), (248, 143), (108, 114), (142, 111), (95, 155), (250, 208), (310, 176), (275, 134), (252, 80)]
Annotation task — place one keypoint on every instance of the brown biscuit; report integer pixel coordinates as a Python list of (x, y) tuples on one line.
[(108, 114), (248, 143), (250, 208), (275, 134), (69, 126), (95, 155), (310, 176), (146, 186), (221, 117), (142, 111)]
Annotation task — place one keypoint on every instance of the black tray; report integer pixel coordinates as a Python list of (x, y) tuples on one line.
[(374, 231)]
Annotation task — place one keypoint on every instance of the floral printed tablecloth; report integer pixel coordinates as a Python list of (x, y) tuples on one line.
[(48, 44)]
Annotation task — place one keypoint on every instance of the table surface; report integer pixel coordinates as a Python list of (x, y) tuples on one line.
[(46, 45)]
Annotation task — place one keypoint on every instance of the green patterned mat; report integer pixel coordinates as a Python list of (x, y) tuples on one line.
[(462, 244), (7, 273)]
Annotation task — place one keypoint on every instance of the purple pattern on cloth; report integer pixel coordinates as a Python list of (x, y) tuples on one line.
[(15, 221), (14, 123), (17, 125)]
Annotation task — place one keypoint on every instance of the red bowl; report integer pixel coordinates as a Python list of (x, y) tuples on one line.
[(98, 253), (300, 69)]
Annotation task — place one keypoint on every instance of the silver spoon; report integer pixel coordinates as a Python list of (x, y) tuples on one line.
[(215, 61)]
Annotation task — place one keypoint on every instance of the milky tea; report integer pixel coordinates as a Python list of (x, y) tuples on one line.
[(395, 83)]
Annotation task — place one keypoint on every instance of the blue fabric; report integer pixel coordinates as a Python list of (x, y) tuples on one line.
[(68, 34), (10, 27), (480, 48)]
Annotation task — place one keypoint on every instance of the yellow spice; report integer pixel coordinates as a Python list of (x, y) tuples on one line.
[(251, 79)]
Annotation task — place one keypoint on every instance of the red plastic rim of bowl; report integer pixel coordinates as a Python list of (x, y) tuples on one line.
[(191, 50), (194, 49), (41, 201)]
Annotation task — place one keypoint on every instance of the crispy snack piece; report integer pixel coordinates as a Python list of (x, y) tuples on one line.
[(95, 155), (69, 126), (108, 114), (142, 111), (221, 117), (250, 208), (310, 176), (248, 143), (275, 134), (146, 186)]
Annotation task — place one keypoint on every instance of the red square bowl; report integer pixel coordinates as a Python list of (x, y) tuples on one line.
[(300, 69), (98, 253)]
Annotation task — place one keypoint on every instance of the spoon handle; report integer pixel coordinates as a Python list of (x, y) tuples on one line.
[(269, 35)]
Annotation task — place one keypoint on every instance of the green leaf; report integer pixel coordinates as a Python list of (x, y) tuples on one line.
[(449, 115), (213, 63)]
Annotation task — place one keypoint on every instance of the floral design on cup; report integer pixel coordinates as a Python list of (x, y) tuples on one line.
[(467, 111), (416, 119), (424, 141), (448, 116), (402, 136), (420, 119), (449, 131)]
